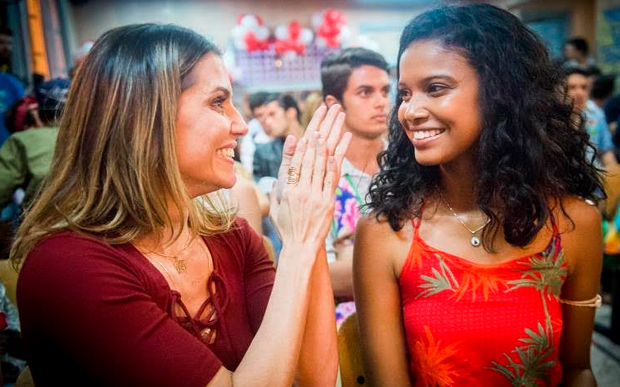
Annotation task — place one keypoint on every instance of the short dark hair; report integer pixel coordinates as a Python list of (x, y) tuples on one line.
[(285, 101), (580, 44), (257, 100), (337, 67), (575, 70), (4, 30)]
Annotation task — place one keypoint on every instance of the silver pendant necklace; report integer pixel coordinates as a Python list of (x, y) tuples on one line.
[(475, 241)]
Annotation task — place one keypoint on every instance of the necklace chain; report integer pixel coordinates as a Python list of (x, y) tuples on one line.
[(173, 283), (458, 217), (179, 264)]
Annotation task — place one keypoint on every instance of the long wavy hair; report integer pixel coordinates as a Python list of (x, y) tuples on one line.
[(532, 148), (114, 174)]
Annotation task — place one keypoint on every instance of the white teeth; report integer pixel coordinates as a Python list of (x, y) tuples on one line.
[(422, 134), (226, 152)]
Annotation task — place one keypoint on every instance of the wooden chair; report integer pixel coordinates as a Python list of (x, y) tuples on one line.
[(612, 189), (25, 379), (350, 354)]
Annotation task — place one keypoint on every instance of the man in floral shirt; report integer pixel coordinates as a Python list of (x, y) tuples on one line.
[(357, 79)]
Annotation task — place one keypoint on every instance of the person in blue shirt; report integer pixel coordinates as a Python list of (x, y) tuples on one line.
[(600, 136), (10, 88)]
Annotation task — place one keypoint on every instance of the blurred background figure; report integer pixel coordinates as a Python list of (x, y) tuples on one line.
[(357, 79), (576, 54), (595, 123), (256, 132), (11, 88)]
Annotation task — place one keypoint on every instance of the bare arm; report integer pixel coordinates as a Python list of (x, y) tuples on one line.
[(377, 297), (319, 349), (609, 159), (341, 271), (583, 252), (282, 347)]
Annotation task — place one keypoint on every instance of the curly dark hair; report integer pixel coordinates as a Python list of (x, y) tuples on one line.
[(532, 148)]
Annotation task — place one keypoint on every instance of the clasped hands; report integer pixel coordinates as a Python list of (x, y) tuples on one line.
[(302, 201)]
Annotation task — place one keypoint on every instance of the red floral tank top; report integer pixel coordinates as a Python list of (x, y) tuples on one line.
[(470, 324)]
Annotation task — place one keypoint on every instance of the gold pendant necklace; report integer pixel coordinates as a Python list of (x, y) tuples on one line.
[(179, 264)]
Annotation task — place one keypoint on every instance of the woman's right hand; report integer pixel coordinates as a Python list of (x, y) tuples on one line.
[(302, 203)]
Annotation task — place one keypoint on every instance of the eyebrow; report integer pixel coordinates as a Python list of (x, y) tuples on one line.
[(362, 87), (429, 78), (221, 89)]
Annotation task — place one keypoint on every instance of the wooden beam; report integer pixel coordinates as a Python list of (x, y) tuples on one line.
[(40, 63)]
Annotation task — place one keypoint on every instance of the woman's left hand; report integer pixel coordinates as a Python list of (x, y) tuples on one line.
[(326, 127)]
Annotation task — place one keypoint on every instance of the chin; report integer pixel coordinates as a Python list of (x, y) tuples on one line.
[(426, 159)]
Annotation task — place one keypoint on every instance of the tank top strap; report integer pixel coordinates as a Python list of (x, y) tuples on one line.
[(554, 224)]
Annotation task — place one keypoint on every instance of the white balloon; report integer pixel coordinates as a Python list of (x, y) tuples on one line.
[(281, 32), (262, 33), (238, 32), (306, 36), (320, 42), (250, 22), (240, 44)]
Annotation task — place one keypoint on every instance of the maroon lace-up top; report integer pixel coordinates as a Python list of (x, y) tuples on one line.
[(100, 315)]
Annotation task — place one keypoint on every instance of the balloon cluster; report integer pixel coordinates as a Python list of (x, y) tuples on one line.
[(292, 40), (331, 28), (250, 34)]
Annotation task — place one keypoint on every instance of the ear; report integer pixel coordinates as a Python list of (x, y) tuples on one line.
[(331, 100), (291, 114)]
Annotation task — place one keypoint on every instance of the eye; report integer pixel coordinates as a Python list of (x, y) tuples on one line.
[(219, 102), (436, 88), (404, 94), (364, 92)]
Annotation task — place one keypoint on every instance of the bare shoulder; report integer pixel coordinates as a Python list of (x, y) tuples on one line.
[(379, 233), (378, 246), (579, 215), (580, 226)]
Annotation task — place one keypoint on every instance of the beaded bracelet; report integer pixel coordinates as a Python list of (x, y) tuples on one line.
[(595, 302)]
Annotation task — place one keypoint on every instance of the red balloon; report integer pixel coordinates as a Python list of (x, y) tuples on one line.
[(333, 41), (294, 29), (331, 16), (251, 42), (327, 31)]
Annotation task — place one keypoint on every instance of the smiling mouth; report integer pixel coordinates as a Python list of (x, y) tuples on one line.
[(424, 134), (226, 152)]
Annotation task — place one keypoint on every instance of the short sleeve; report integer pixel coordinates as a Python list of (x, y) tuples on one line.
[(259, 274), (83, 306), (606, 144)]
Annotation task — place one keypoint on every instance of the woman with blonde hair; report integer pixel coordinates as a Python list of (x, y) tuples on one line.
[(127, 277)]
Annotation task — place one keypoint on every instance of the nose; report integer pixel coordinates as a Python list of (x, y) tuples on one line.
[(415, 112), (382, 101), (238, 126)]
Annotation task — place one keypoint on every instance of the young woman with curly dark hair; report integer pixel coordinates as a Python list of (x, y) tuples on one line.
[(480, 263)]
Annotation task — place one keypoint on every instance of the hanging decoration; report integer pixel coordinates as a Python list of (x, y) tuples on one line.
[(331, 28), (292, 40), (249, 34)]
